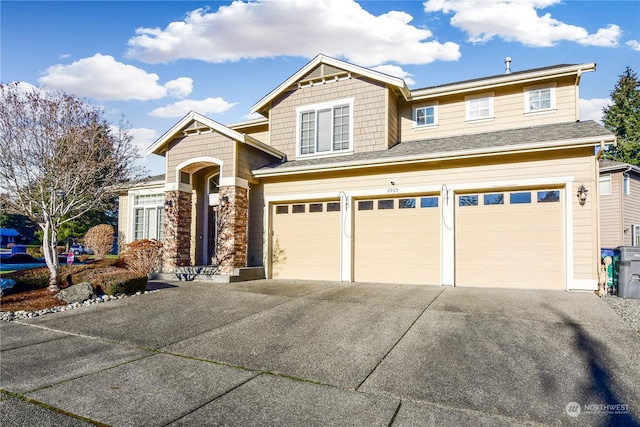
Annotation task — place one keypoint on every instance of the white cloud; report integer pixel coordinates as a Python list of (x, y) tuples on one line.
[(633, 44), (253, 116), (205, 106), (143, 138), (267, 28), (591, 109), (518, 20), (395, 71), (102, 77)]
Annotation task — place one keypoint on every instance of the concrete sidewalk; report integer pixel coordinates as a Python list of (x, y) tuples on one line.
[(319, 353)]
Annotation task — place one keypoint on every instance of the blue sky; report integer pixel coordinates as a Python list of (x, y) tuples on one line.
[(154, 61)]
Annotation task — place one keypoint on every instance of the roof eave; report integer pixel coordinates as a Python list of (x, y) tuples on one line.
[(507, 79), (322, 59), (451, 155)]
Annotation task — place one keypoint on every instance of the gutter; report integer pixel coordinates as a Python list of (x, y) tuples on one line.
[(422, 158)]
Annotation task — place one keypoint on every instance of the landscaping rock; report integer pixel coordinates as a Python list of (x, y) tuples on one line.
[(77, 293)]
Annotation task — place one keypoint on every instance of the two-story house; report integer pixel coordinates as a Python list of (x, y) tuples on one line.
[(352, 176), (619, 204)]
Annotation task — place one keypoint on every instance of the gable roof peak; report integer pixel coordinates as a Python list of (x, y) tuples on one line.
[(333, 62)]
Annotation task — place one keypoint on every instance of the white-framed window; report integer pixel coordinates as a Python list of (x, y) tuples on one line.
[(539, 99), (425, 116), (325, 128), (479, 107), (148, 216), (626, 184), (605, 185), (635, 234)]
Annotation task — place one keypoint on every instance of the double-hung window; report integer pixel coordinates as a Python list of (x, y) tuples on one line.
[(479, 107), (605, 185), (626, 184), (325, 128), (539, 99), (148, 216), (425, 116)]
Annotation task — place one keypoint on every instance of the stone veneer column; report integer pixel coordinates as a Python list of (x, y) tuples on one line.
[(177, 230), (231, 247)]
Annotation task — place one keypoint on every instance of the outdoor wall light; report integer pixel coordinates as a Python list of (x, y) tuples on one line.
[(582, 195), (168, 203), (224, 200)]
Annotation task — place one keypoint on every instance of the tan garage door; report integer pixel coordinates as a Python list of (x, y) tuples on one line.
[(306, 241), (510, 239), (397, 240)]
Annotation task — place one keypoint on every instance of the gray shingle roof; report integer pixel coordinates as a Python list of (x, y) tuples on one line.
[(532, 135)]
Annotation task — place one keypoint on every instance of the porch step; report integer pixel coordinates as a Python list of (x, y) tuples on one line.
[(209, 273)]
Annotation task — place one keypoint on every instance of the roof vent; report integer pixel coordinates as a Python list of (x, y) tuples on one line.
[(507, 65)]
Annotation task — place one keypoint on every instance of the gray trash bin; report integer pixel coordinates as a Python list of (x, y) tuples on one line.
[(628, 271)]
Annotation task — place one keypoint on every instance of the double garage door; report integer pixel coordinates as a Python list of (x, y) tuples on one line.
[(510, 238)]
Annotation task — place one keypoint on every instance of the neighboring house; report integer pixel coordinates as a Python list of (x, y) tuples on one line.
[(9, 235), (619, 204), (352, 176)]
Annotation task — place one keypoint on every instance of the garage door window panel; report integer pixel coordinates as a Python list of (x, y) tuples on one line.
[(471, 200), (493, 199), (520, 198), (385, 204), (428, 202), (298, 209), (548, 196), (407, 203), (282, 209), (365, 205), (315, 207)]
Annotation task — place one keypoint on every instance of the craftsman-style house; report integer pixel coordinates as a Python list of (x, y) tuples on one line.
[(351, 176)]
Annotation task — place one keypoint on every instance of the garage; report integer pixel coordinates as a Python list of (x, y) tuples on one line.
[(306, 240), (397, 240), (511, 239)]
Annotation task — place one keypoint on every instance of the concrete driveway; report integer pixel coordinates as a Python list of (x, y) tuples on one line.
[(320, 353)]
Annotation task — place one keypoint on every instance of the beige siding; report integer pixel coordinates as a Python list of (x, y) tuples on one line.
[(393, 123), (631, 214), (250, 158), (262, 136), (369, 115), (200, 145), (123, 220), (508, 113), (578, 164)]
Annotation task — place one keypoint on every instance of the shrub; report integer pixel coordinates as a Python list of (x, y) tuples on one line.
[(120, 282), (100, 239), (35, 251), (143, 256), (31, 278)]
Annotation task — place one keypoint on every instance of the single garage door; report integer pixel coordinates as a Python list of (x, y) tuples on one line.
[(512, 239), (306, 241), (397, 240)]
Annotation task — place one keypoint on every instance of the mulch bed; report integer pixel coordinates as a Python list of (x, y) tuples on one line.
[(30, 300)]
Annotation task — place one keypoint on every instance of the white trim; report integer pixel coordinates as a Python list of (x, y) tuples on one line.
[(174, 186), (418, 158), (234, 182), (417, 107), (552, 98), (583, 285), (467, 106), (324, 106), (604, 178), (322, 59), (568, 237)]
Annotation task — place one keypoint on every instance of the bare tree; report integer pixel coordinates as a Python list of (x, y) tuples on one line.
[(60, 159)]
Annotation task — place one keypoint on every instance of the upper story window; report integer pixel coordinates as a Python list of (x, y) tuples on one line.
[(425, 116), (539, 99), (626, 184), (479, 107), (605, 185), (325, 128)]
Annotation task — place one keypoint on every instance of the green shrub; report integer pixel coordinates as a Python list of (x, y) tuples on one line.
[(119, 282), (35, 251)]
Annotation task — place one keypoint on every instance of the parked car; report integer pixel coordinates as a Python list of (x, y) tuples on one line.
[(79, 249)]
